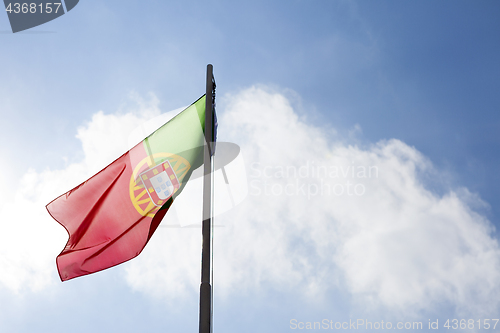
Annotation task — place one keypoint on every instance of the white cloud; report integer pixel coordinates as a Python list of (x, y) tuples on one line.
[(390, 241), (321, 214), (107, 136)]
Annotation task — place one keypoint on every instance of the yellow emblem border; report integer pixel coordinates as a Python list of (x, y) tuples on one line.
[(141, 201)]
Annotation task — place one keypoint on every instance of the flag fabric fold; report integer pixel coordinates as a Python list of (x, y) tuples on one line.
[(111, 216)]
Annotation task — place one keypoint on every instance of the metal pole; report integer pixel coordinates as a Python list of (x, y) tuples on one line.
[(205, 287)]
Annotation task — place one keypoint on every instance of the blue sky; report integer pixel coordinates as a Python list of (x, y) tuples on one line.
[(410, 87)]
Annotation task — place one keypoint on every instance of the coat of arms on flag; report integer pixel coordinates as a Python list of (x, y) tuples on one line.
[(161, 182)]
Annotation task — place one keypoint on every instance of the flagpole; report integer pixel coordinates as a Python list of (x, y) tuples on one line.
[(205, 287)]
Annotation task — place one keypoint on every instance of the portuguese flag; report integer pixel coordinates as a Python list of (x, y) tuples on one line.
[(111, 216)]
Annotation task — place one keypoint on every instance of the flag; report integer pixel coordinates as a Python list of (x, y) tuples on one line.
[(111, 216)]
